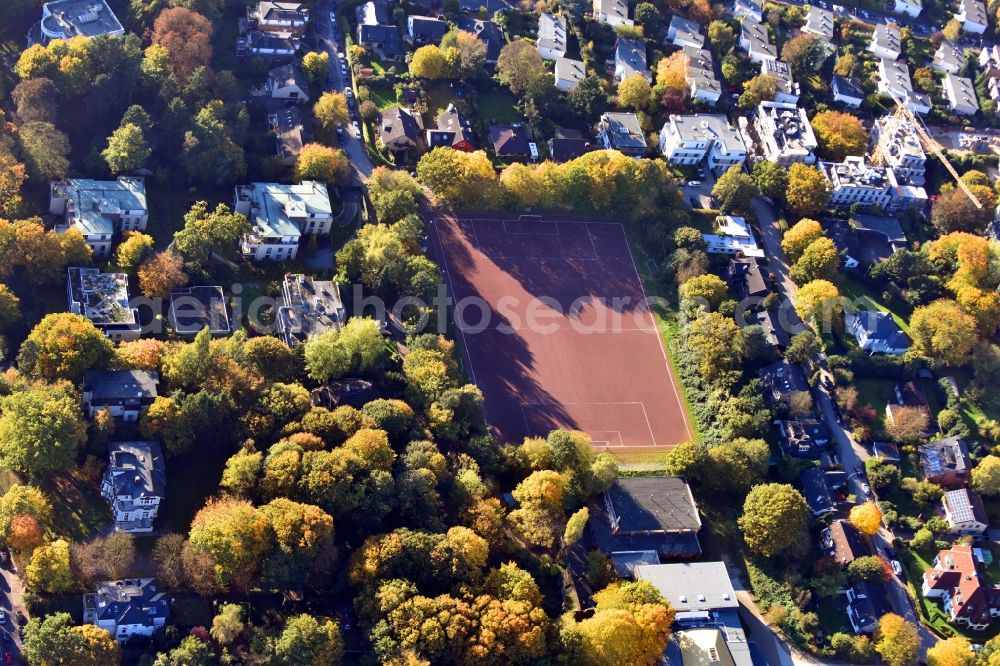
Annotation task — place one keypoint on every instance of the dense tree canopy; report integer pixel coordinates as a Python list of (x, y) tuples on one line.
[(775, 518)]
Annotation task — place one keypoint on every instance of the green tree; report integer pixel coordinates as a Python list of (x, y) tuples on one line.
[(315, 64), (943, 333), (233, 536), (819, 261), (520, 65), (539, 519), (734, 190), (708, 289), (867, 568), (761, 88), (41, 430), (954, 211), (307, 641), (55, 640), (322, 163), (192, 650), (45, 150), (358, 347), (630, 625), (733, 467), (818, 302), (330, 110), (49, 569), (804, 53), (133, 249), (986, 476), (897, 641), (205, 231), (459, 179), (62, 346), (839, 135), (722, 37), (210, 153), (127, 149), (774, 519), (24, 501), (771, 179), (954, 651), (710, 339), (227, 625), (687, 460), (575, 526), (633, 92), (429, 63), (800, 236)]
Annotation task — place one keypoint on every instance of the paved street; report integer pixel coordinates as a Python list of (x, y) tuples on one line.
[(12, 602), (354, 147)]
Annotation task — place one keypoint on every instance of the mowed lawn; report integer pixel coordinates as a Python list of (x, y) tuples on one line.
[(497, 106), (865, 299)]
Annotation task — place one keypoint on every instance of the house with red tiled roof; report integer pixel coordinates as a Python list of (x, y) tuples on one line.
[(966, 598)]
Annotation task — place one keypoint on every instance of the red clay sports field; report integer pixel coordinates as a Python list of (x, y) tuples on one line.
[(600, 366)]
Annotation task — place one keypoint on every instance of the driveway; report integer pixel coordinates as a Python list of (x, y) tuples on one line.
[(361, 166)]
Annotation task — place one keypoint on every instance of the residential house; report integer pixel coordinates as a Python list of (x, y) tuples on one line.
[(756, 42), (99, 208), (746, 278), (752, 10), (650, 513), (847, 91), (819, 488), (103, 299), (552, 36), (685, 32), (842, 542), (621, 132), (961, 94), (568, 144), (308, 307), (287, 82), (784, 134), (702, 84), (612, 12), (127, 608), (946, 462), (877, 333), (383, 39), (569, 73), (786, 89), (853, 182), (453, 131), (65, 19), (881, 236), (949, 57), (955, 579), (134, 483), (732, 235), (989, 61), (775, 324), (707, 623), (865, 605), (965, 512), (512, 142), (125, 394), (399, 132), (886, 41), (488, 32), (911, 8), (194, 309), (292, 131), (424, 30), (903, 152), (288, 19), (894, 80), (280, 215), (782, 382), (819, 22), (267, 45), (630, 58), (972, 15), (803, 438), (688, 140)]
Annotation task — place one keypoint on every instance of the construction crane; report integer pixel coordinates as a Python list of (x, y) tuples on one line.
[(895, 123)]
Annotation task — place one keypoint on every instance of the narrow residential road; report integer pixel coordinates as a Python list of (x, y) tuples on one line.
[(12, 601), (771, 238), (354, 146)]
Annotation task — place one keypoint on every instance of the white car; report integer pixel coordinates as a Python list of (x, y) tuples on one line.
[(866, 489), (3, 616), (897, 568), (694, 183), (357, 128)]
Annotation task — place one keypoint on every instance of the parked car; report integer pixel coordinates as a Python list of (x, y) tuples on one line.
[(340, 131), (357, 128), (3, 617), (866, 489), (897, 568), (694, 183)]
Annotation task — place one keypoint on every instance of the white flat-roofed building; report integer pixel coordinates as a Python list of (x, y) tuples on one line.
[(756, 42), (784, 134), (551, 43), (972, 15), (894, 80), (99, 208), (612, 12), (911, 8), (569, 73), (280, 215), (819, 22), (701, 80), (886, 41), (103, 299), (854, 182), (786, 89), (732, 236), (691, 139), (685, 32), (65, 19), (903, 154), (961, 94), (949, 57)]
